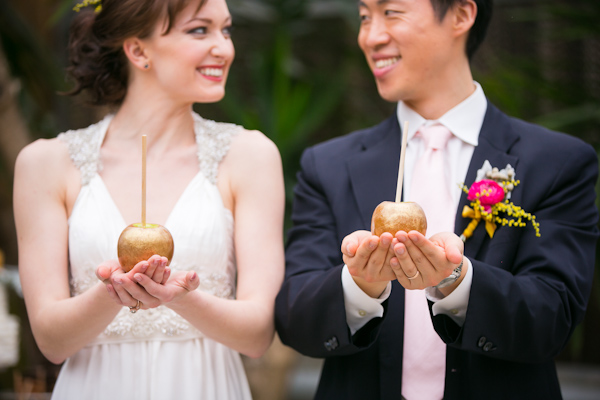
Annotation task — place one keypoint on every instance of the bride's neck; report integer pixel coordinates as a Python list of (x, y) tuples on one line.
[(161, 121)]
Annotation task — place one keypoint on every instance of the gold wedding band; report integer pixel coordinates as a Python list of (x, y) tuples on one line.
[(410, 278), (133, 310)]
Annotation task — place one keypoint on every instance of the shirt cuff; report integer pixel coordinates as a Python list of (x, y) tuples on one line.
[(456, 303), (360, 307)]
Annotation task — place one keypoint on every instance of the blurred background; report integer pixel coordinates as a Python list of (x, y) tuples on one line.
[(300, 78)]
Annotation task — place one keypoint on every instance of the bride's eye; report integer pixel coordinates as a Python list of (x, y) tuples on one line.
[(201, 30), (228, 30)]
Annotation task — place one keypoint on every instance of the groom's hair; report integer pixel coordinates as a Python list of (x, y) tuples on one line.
[(479, 28)]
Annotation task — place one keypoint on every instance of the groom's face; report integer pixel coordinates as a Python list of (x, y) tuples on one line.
[(407, 47)]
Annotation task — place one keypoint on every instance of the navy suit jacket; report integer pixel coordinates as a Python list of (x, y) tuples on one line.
[(528, 293)]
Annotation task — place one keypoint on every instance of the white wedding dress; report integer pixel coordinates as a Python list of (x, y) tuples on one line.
[(154, 354)]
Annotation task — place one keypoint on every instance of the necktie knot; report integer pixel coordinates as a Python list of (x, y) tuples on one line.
[(435, 136)]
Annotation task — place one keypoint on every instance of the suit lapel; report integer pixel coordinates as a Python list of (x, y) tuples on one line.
[(373, 169), (495, 140)]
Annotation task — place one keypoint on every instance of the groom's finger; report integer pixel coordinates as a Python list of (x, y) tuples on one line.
[(349, 246), (407, 273), (358, 263), (378, 262), (430, 257), (381, 256), (352, 241)]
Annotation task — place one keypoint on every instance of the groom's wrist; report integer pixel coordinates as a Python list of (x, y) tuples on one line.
[(373, 289)]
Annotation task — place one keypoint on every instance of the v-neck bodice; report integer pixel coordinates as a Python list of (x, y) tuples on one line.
[(201, 226)]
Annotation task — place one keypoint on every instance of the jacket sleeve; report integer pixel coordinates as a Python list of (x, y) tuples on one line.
[(310, 315), (529, 293)]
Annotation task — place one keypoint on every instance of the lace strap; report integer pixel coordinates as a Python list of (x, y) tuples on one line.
[(84, 148), (213, 140)]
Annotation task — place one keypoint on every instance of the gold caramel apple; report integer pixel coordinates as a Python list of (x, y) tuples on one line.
[(390, 216), (139, 242)]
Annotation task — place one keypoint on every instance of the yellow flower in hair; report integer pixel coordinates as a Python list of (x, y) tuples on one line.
[(86, 3)]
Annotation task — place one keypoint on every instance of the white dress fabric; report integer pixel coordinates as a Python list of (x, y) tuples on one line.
[(154, 354)]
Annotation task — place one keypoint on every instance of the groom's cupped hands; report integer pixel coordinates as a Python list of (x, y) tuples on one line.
[(415, 261)]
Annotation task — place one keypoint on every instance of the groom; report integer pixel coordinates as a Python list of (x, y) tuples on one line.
[(409, 316)]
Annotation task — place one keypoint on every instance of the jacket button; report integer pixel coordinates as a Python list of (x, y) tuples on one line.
[(489, 346), (331, 344), (334, 343), (481, 342)]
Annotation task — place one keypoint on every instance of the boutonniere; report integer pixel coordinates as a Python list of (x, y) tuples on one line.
[(490, 202)]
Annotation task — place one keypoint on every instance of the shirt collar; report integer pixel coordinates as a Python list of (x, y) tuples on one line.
[(465, 128)]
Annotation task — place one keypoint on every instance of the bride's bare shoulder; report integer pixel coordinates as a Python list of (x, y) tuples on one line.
[(253, 160), (253, 145), (42, 159)]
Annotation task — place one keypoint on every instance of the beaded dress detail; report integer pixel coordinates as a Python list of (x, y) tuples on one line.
[(159, 353)]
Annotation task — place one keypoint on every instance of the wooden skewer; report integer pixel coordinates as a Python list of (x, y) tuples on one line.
[(143, 181), (401, 165)]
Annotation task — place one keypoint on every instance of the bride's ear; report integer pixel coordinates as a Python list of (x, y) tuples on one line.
[(136, 52)]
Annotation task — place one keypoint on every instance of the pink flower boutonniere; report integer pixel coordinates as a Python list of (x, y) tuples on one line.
[(490, 202)]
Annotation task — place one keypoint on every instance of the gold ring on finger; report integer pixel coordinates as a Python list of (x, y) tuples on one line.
[(133, 310), (410, 278)]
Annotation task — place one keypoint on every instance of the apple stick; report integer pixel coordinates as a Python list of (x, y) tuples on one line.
[(401, 165), (143, 181)]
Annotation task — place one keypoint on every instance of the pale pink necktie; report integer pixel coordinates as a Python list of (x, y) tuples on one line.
[(424, 360)]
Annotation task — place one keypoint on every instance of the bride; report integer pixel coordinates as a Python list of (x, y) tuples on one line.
[(158, 331)]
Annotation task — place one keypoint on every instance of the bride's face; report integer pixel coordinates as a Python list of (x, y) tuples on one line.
[(192, 61)]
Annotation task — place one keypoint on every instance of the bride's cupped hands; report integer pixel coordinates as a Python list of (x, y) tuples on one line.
[(150, 282)]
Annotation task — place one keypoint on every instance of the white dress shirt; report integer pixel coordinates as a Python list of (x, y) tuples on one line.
[(464, 121)]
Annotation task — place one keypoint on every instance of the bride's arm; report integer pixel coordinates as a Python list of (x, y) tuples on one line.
[(253, 172), (61, 324)]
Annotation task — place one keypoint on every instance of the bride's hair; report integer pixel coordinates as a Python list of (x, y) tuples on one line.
[(97, 62)]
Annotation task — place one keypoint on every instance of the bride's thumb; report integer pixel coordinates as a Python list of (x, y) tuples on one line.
[(103, 272), (191, 281)]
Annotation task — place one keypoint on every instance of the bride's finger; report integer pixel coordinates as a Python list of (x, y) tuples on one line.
[(166, 275), (191, 281), (154, 263), (111, 292), (138, 292), (151, 287), (103, 272), (124, 296), (106, 269), (159, 272)]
